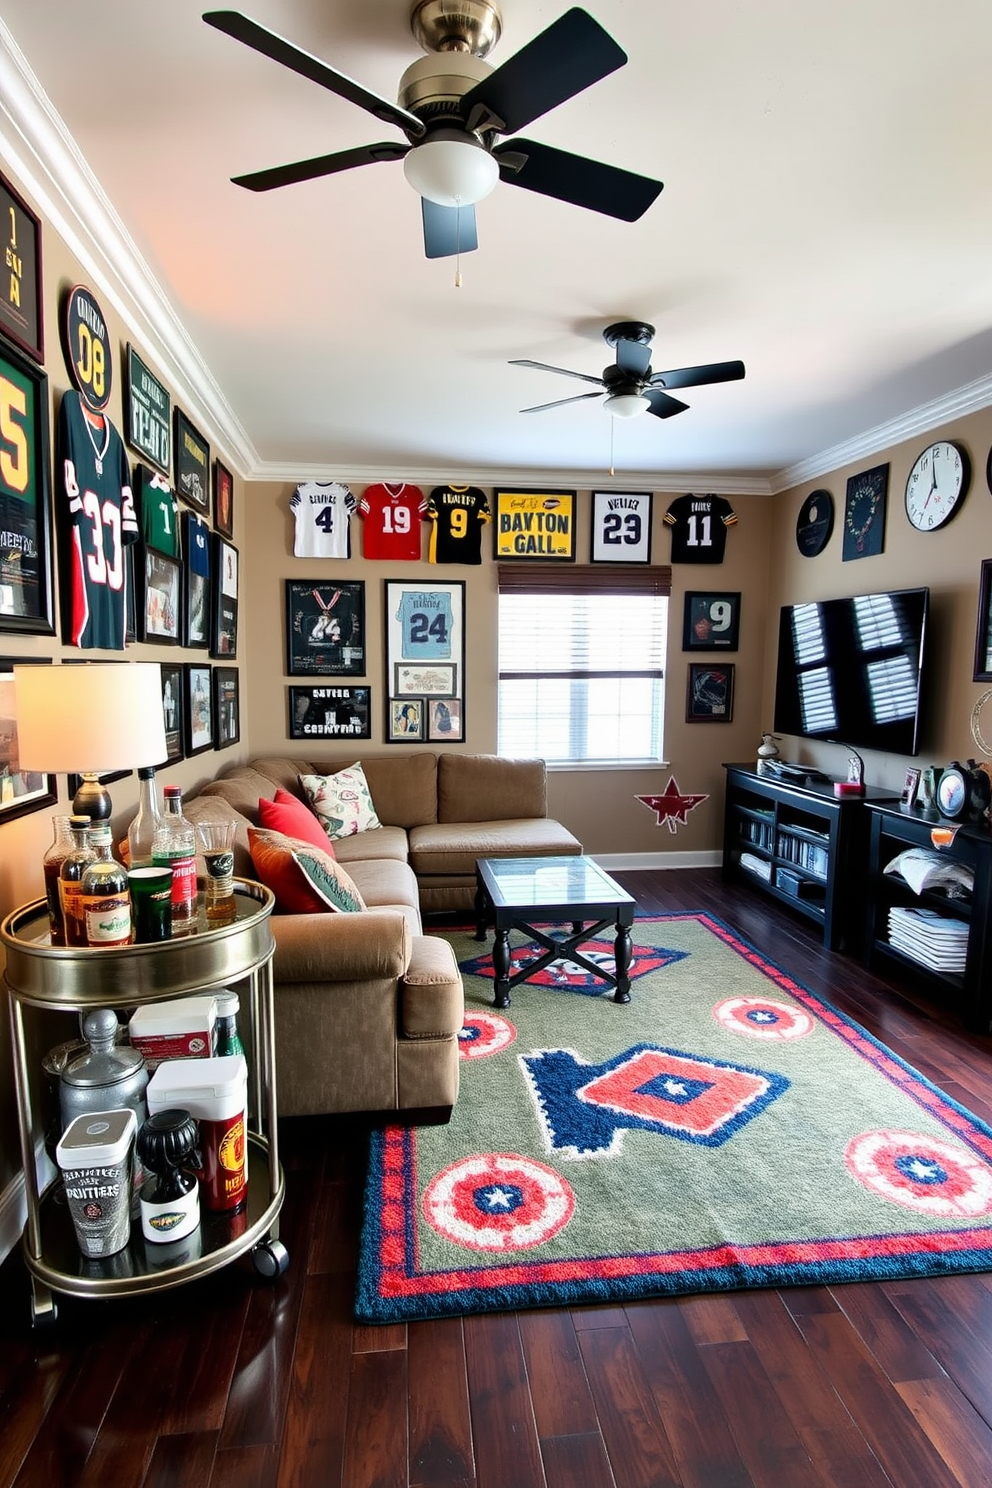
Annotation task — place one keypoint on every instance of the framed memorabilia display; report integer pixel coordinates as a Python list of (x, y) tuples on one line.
[(198, 713), (325, 628), (159, 617), (21, 791), (87, 347), (864, 514), (148, 410), (172, 711), (197, 613), (709, 693), (910, 786), (983, 632), (21, 314), (26, 569), (444, 720), (227, 706), (534, 524), (223, 500), (330, 713), (224, 632), (437, 680), (711, 622), (621, 527), (191, 454), (405, 723)]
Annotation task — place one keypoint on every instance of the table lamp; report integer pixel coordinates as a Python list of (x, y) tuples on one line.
[(89, 720)]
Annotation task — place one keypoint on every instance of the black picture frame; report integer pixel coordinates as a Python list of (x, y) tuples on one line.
[(22, 317), (198, 711), (325, 628), (711, 620), (425, 634), (445, 720), (865, 502), (709, 696), (983, 629), (330, 712), (21, 792), (191, 458), (621, 527), (197, 547), (227, 706), (148, 412), (406, 720), (160, 611), (534, 526), (173, 691), (225, 564), (223, 500), (26, 562)]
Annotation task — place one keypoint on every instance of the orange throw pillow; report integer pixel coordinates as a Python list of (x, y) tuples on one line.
[(303, 878)]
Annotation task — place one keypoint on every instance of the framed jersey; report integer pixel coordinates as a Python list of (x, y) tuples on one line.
[(621, 527), (392, 518), (699, 528), (325, 627), (322, 512), (196, 580), (425, 650), (457, 515)]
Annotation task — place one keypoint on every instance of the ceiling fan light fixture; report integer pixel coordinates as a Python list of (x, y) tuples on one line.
[(451, 172), (627, 405)]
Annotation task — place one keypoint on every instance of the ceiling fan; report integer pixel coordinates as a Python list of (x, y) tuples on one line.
[(453, 107), (631, 387)]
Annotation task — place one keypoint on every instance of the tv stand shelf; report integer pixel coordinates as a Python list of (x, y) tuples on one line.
[(801, 844)]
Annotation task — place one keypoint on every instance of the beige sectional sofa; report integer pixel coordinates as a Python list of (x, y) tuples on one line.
[(368, 1009)]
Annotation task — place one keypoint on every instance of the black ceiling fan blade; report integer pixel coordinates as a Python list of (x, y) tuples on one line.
[(681, 377), (576, 179), (448, 231), (563, 371), (661, 405), (245, 30), (560, 402), (572, 54), (633, 356), (320, 165)]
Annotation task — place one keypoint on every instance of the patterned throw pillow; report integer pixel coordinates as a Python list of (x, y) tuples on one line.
[(288, 815), (341, 801), (305, 879)]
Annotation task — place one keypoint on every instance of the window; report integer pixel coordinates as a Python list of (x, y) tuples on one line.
[(582, 663)]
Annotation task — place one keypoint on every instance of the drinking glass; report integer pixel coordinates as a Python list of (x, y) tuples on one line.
[(216, 840)]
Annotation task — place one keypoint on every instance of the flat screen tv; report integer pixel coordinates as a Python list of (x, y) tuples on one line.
[(850, 670)]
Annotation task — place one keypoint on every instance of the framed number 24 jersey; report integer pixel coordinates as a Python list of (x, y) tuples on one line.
[(699, 528)]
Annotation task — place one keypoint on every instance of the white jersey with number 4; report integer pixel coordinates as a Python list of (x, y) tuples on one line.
[(323, 519)]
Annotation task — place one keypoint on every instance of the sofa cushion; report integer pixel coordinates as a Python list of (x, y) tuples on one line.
[(342, 801), (486, 787), (288, 815), (305, 879), (452, 847)]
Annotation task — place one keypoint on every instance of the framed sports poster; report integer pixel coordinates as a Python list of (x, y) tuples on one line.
[(21, 316), (172, 711), (425, 639), (711, 622), (159, 615), (535, 524), (224, 632), (621, 527), (710, 693), (227, 706), (21, 791), (26, 575), (192, 462), (196, 580), (198, 707), (223, 500), (148, 410), (330, 713), (325, 628)]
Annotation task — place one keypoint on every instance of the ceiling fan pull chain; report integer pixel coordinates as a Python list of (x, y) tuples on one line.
[(613, 425), (458, 248)]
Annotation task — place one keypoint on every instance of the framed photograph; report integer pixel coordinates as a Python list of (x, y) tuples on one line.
[(21, 312), (325, 628), (198, 713), (26, 584), (864, 514), (21, 791), (621, 527), (223, 500), (909, 787), (435, 680), (405, 721), (196, 580), (227, 706), (535, 525), (711, 622), (172, 711), (709, 693), (160, 609), (192, 464), (330, 713), (983, 633), (444, 720), (148, 411), (224, 590)]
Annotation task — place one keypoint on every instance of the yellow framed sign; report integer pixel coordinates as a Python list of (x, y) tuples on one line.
[(535, 524)]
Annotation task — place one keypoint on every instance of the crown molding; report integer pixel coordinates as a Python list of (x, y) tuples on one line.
[(506, 478)]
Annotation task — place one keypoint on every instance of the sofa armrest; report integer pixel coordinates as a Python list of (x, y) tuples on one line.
[(340, 947)]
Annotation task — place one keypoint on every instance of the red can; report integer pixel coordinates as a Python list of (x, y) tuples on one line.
[(215, 1092)]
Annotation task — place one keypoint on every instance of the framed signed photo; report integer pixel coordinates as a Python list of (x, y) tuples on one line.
[(26, 565), (148, 411), (227, 706), (535, 525), (711, 622), (160, 610), (224, 596), (223, 500), (325, 628), (172, 711), (709, 693), (21, 791), (329, 713), (21, 314), (621, 527), (198, 707), (191, 453)]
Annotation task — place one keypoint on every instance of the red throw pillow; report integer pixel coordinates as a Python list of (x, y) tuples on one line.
[(287, 814)]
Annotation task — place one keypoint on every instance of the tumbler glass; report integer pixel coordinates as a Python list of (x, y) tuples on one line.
[(151, 903), (216, 840)]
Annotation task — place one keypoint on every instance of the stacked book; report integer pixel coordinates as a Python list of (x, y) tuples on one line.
[(929, 938)]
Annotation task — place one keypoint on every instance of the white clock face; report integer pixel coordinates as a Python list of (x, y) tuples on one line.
[(936, 486)]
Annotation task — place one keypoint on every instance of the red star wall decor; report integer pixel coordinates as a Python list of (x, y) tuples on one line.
[(672, 806)]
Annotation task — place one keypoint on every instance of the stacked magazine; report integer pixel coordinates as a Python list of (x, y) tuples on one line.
[(929, 938)]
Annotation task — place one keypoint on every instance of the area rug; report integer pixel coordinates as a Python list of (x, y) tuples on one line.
[(727, 1128)]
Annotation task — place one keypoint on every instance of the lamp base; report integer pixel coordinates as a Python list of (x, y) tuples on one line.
[(92, 799)]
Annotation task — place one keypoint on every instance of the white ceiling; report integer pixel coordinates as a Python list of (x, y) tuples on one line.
[(826, 217)]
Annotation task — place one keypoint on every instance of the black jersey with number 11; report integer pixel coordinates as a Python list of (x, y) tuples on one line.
[(699, 528)]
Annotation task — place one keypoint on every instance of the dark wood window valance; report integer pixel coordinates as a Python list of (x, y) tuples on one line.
[(583, 578)]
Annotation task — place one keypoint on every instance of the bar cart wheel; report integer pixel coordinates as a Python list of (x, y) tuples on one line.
[(44, 1308), (270, 1259)]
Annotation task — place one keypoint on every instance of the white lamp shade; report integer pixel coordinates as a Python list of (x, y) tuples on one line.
[(453, 173), (627, 405), (98, 716)]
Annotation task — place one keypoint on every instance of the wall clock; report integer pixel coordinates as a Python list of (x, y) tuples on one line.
[(937, 485), (815, 523), (864, 513)]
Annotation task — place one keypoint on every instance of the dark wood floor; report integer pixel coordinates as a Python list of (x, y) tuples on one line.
[(236, 1381)]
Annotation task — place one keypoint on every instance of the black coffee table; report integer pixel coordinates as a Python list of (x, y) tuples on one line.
[(512, 893)]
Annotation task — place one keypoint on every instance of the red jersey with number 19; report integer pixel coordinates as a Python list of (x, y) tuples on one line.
[(391, 518)]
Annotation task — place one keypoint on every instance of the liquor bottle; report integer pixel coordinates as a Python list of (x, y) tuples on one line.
[(228, 1037), (104, 893), (60, 849), (70, 880), (141, 832), (174, 846)]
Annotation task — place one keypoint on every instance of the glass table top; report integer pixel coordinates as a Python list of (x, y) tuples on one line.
[(522, 883)]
